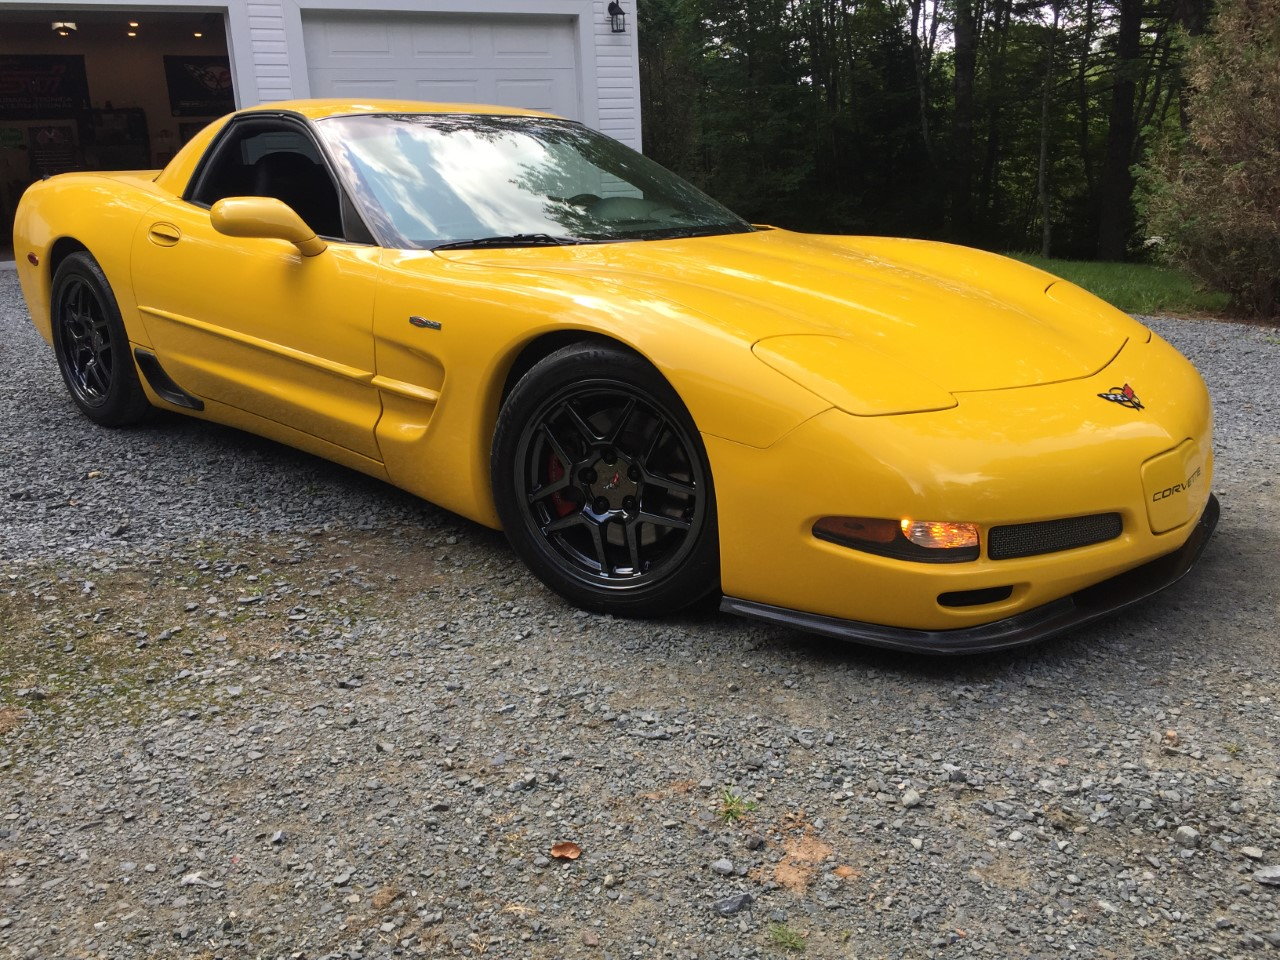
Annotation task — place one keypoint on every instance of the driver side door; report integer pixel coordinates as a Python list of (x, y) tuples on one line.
[(250, 322)]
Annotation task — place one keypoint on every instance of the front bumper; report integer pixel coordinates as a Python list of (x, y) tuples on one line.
[(1084, 606)]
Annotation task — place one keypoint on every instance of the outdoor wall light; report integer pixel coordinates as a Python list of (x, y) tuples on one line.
[(63, 28), (617, 17)]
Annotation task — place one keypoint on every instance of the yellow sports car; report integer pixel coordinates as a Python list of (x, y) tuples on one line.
[(902, 443)]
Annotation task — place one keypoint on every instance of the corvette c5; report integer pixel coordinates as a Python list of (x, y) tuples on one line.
[(898, 442)]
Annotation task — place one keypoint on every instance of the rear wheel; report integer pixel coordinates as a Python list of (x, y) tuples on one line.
[(91, 345), (603, 486)]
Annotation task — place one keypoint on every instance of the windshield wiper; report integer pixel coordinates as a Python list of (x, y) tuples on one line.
[(510, 240)]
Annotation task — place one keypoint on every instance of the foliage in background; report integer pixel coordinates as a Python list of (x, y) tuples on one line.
[(1010, 124), (1135, 287), (1214, 195)]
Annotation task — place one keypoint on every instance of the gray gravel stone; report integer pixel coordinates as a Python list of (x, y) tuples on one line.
[(350, 721), (734, 904), (1268, 875), (1187, 837)]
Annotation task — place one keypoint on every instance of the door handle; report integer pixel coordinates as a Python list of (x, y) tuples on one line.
[(164, 234)]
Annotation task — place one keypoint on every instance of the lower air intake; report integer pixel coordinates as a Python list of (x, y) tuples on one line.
[(1050, 536)]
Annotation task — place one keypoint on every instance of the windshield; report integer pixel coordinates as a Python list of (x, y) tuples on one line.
[(431, 179)]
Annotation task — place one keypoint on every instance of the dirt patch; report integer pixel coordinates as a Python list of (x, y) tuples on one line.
[(11, 718), (801, 857), (385, 896)]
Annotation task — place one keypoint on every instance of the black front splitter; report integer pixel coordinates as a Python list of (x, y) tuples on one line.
[(1084, 606)]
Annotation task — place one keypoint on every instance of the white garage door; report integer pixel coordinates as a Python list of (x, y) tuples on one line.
[(515, 61)]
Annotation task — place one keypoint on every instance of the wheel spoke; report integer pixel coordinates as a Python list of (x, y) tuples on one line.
[(557, 448), (657, 439), (597, 539), (88, 374), (633, 546), (623, 419), (564, 523), (668, 483), (660, 520), (547, 489), (583, 427)]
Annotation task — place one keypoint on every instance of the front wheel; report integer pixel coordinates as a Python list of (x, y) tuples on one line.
[(603, 486)]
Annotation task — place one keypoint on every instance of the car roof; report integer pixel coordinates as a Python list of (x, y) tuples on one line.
[(318, 109)]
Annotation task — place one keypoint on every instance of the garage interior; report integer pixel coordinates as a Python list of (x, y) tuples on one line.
[(103, 90)]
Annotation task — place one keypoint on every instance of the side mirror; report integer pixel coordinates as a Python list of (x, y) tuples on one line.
[(265, 217)]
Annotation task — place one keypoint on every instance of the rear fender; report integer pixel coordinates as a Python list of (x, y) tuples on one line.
[(99, 213)]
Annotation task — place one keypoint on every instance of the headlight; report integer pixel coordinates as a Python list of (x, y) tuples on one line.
[(925, 541)]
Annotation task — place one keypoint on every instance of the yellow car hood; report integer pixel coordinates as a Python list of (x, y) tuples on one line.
[(938, 318)]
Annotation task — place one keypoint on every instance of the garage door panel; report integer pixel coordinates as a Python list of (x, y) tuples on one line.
[(359, 40), (520, 61), (520, 39), (363, 86), (529, 94), (446, 91), (448, 38)]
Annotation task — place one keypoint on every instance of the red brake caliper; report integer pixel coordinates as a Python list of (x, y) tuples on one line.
[(555, 470)]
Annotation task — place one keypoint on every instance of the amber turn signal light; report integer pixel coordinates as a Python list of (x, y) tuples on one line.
[(923, 541)]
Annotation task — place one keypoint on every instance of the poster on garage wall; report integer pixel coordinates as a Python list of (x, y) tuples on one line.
[(42, 87), (199, 86)]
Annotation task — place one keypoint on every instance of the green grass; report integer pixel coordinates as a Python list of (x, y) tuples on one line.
[(734, 807), (784, 938), (1134, 287)]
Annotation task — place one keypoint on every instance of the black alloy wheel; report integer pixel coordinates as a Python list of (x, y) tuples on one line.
[(86, 355), (91, 345), (603, 484)]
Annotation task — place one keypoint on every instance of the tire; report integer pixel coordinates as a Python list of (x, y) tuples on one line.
[(92, 347), (602, 484)]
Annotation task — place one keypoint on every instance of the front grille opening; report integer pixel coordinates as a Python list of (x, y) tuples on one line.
[(1050, 536), (974, 598)]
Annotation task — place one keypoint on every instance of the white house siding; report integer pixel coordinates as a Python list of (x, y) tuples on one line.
[(617, 75), (265, 43), (270, 53)]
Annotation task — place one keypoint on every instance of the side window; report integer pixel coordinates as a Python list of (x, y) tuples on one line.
[(262, 160)]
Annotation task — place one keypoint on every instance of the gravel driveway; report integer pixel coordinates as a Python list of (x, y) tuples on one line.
[(255, 705)]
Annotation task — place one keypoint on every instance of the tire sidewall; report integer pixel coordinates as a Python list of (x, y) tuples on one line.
[(696, 575)]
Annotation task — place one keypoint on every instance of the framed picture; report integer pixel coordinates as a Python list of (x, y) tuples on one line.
[(42, 87), (199, 86), (54, 148)]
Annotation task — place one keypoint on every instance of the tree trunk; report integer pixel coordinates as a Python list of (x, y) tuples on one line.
[(1115, 184), (924, 23), (966, 59), (1042, 179), (1082, 96), (1001, 12)]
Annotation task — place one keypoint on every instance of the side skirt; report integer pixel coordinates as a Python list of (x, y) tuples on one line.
[(162, 383)]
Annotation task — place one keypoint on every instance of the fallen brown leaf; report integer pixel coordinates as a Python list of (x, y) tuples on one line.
[(566, 850)]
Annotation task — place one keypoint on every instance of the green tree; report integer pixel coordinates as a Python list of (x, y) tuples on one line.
[(1213, 194)]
